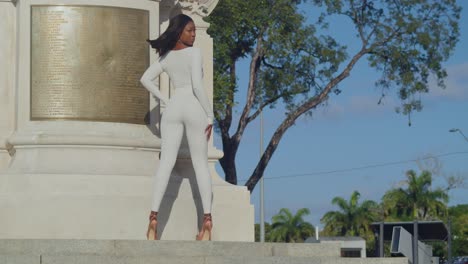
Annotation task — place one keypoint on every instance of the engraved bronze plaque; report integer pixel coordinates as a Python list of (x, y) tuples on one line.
[(86, 63)]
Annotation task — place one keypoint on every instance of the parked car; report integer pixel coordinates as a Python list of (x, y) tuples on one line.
[(460, 260)]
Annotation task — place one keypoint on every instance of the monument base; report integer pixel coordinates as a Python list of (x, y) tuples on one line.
[(175, 252), (47, 153), (4, 159), (80, 206)]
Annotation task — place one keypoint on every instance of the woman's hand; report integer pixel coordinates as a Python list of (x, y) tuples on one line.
[(208, 131)]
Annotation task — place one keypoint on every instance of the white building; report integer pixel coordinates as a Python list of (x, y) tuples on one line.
[(351, 247)]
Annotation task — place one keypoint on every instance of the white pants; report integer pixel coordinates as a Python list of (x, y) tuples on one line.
[(183, 112)]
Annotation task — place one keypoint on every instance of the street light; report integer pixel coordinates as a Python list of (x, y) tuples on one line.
[(453, 130), (262, 186), (262, 183), (449, 223)]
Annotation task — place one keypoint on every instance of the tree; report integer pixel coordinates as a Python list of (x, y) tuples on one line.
[(287, 227), (459, 216), (417, 200), (352, 218), (267, 232), (302, 65)]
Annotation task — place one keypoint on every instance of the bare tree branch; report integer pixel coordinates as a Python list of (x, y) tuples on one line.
[(254, 66), (268, 102), (271, 65), (289, 120)]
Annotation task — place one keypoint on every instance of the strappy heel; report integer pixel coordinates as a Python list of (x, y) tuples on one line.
[(205, 232), (152, 233)]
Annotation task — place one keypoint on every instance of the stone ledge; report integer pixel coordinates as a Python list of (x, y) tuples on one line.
[(110, 259), (163, 248), (66, 251), (19, 259)]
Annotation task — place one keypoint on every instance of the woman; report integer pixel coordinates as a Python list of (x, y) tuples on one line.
[(189, 109)]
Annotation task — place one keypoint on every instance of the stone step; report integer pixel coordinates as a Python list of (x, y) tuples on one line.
[(165, 248), (26, 251), (107, 259)]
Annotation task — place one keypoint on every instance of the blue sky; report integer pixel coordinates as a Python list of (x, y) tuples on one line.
[(354, 144)]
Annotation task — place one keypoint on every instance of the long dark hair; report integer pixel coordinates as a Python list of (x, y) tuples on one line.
[(169, 38)]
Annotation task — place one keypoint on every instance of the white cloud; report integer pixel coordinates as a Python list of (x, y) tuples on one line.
[(330, 110), (456, 89), (366, 104), (349, 103), (356, 104), (456, 84)]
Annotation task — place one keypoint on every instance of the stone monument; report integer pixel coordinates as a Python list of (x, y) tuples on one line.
[(79, 139)]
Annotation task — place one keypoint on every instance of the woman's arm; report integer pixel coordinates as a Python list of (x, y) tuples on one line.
[(197, 84), (148, 81)]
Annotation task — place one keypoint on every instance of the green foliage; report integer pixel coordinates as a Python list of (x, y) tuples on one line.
[(302, 64), (439, 249), (459, 221), (459, 218), (267, 232), (418, 200), (233, 27), (415, 199), (287, 227), (407, 40), (352, 219), (293, 55)]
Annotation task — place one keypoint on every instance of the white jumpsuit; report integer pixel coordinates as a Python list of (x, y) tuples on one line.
[(188, 109)]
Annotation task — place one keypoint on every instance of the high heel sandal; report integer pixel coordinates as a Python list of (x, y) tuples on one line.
[(205, 232), (152, 233)]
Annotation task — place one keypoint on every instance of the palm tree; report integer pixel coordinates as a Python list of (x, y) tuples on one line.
[(353, 219), (287, 227), (267, 232), (417, 201)]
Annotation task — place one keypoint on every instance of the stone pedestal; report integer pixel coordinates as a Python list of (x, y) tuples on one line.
[(7, 77), (181, 211), (92, 179)]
